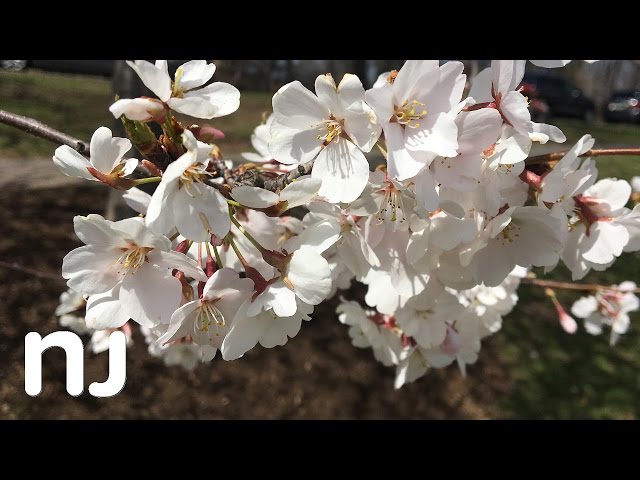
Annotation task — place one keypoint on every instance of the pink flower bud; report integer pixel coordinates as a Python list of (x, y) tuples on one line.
[(566, 321)]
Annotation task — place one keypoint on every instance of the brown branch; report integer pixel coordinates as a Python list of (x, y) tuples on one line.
[(39, 129), (281, 181), (572, 286), (555, 156)]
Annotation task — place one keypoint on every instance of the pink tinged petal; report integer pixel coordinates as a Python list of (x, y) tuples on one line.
[(437, 134), (243, 335), (194, 74), (344, 171), (292, 145), (137, 199), (106, 150), (381, 100), (410, 78), (181, 323), (195, 215), (568, 323), (90, 269), (481, 87), (550, 63), (150, 295), (140, 109), (135, 230), (104, 310), (179, 261), (310, 275), (71, 163), (609, 239), (400, 163), (296, 107), (300, 192), (515, 109), (254, 197), (154, 77), (325, 87), (614, 192), (426, 193), (213, 101), (478, 130), (95, 230)]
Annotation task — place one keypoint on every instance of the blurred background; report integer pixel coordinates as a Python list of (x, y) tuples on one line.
[(530, 369)]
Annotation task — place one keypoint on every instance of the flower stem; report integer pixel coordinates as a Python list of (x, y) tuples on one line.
[(250, 237), (142, 181), (243, 261), (217, 255)]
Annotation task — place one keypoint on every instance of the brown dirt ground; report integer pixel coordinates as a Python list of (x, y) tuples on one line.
[(318, 374)]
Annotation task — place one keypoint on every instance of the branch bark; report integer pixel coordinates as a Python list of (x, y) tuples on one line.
[(39, 129), (555, 156)]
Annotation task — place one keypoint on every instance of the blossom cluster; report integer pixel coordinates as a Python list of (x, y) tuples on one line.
[(224, 256)]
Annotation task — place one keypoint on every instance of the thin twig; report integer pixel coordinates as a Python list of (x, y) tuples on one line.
[(39, 129), (30, 271), (573, 286), (555, 156)]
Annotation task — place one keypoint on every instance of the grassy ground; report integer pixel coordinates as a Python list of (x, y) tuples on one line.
[(555, 375)]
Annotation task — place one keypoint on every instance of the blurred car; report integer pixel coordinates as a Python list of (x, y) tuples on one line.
[(622, 107), (553, 95)]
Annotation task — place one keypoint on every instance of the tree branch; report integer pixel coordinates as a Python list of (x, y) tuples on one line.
[(39, 129), (572, 286), (555, 156), (281, 181)]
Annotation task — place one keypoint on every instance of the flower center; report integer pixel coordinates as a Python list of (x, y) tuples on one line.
[(407, 115), (177, 91), (333, 129), (392, 207), (208, 316), (132, 258), (509, 233), (192, 178)]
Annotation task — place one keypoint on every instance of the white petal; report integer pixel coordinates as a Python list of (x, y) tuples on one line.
[(243, 336), (254, 197), (381, 100), (181, 323), (584, 306), (320, 236), (310, 275), (515, 109), (71, 163), (90, 269), (215, 100), (300, 191), (615, 192), (189, 211), (608, 241), (292, 145), (193, 74), (104, 310), (150, 295), (278, 297), (437, 133), (95, 230), (135, 230), (294, 106), (410, 78), (140, 109), (106, 150), (401, 163), (426, 193), (325, 87), (344, 171), (550, 63), (478, 130), (137, 199), (179, 261), (481, 87), (156, 79)]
